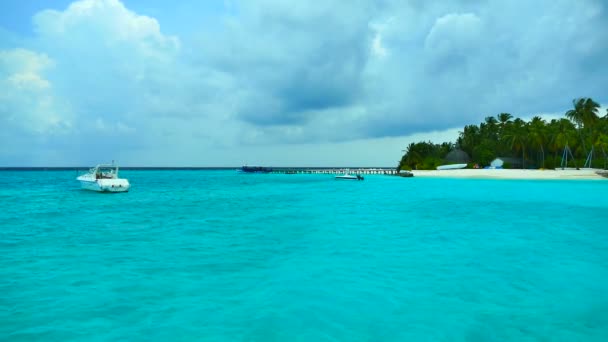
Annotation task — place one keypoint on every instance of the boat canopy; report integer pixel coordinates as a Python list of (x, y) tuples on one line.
[(105, 171)]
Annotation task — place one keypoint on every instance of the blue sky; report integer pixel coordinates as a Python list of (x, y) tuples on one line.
[(223, 83)]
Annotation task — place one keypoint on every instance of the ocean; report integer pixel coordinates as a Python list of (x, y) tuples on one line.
[(221, 256)]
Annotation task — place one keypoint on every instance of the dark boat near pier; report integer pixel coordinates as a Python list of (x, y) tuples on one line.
[(256, 169)]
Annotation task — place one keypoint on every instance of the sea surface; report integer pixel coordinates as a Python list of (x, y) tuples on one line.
[(221, 256)]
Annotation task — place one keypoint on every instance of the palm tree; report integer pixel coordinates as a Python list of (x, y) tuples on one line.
[(564, 135), (491, 128), (503, 118), (538, 135), (517, 136), (600, 137), (585, 112), (585, 116), (411, 157), (490, 120), (602, 143), (469, 138)]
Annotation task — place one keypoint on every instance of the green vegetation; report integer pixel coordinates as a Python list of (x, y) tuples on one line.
[(582, 134)]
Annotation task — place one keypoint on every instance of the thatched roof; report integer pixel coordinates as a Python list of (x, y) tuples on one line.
[(457, 156)]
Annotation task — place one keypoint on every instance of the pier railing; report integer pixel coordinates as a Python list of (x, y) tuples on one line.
[(336, 171)]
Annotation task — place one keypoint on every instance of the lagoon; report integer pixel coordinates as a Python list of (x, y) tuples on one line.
[(221, 256)]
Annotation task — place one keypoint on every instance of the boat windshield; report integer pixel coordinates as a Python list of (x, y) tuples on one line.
[(106, 172)]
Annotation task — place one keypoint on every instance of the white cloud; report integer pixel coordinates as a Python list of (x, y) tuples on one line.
[(22, 60), (28, 80), (118, 127), (23, 69), (27, 101), (113, 64), (271, 75), (105, 22), (454, 32), (377, 47)]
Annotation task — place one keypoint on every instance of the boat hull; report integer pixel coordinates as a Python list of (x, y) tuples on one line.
[(348, 178), (451, 167), (105, 185)]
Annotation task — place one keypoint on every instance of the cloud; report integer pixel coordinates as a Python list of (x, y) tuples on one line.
[(396, 68), (454, 33), (289, 60), (94, 62), (27, 101), (458, 63), (109, 59), (270, 73), (451, 40)]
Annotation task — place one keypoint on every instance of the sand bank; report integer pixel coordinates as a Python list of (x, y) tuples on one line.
[(512, 174)]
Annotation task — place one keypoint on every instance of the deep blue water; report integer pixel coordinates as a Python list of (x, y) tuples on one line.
[(221, 256)]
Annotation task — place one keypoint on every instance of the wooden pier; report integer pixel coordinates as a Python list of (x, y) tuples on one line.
[(336, 171)]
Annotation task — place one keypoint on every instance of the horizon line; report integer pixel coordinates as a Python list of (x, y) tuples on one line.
[(68, 168)]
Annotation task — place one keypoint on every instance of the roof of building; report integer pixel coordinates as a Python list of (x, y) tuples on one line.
[(457, 156)]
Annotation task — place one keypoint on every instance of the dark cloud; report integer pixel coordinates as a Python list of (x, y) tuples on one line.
[(290, 60), (441, 64)]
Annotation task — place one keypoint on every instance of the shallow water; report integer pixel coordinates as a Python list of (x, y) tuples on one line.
[(221, 256)]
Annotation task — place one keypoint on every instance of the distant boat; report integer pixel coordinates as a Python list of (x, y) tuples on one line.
[(451, 167), (347, 176), (104, 178), (256, 169), (405, 173)]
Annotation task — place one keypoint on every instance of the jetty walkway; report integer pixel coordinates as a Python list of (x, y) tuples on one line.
[(336, 171)]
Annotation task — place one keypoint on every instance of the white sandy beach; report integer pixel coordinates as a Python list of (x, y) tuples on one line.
[(585, 174)]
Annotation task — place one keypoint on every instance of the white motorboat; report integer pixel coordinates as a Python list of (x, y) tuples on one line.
[(451, 167), (348, 176), (104, 178)]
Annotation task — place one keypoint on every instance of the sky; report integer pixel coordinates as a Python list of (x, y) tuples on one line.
[(278, 83)]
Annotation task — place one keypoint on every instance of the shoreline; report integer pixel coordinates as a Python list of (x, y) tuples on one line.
[(585, 174)]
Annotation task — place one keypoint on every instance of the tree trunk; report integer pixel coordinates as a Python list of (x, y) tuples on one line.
[(542, 150), (555, 158), (580, 135)]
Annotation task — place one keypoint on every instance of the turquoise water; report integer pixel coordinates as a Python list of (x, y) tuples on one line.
[(220, 256)]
